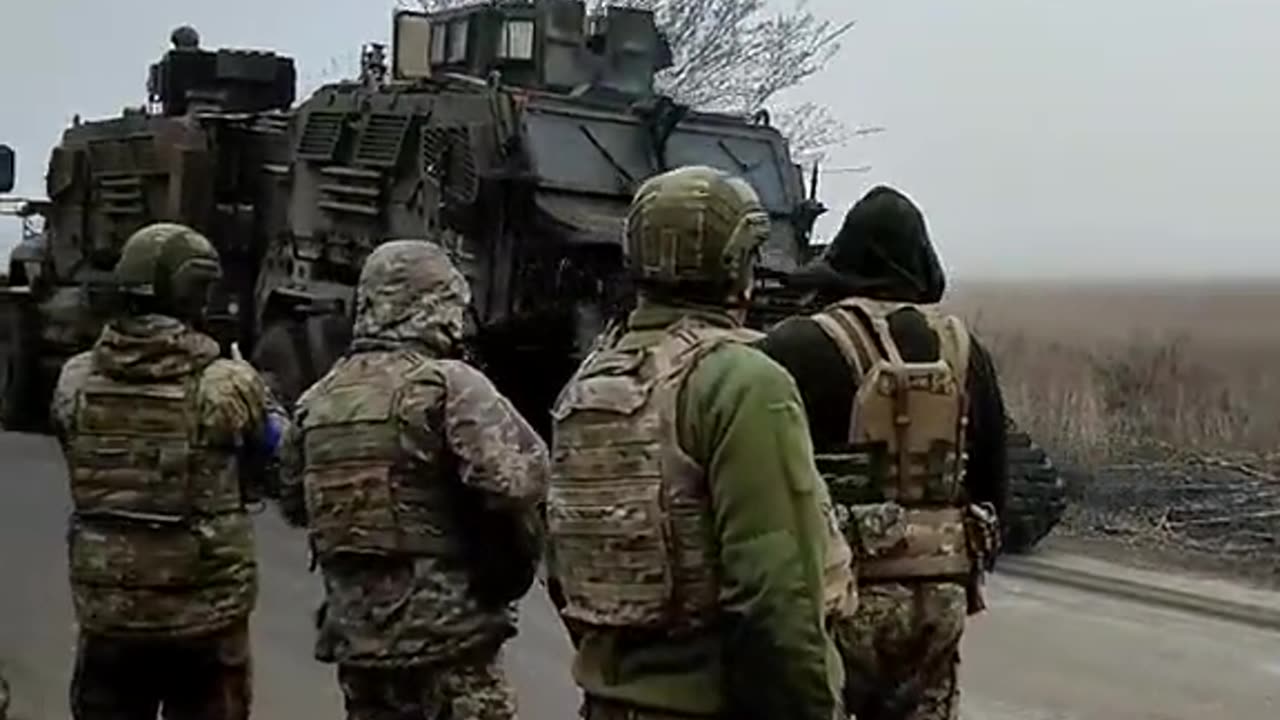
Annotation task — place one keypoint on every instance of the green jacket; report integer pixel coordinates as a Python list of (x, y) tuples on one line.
[(741, 417)]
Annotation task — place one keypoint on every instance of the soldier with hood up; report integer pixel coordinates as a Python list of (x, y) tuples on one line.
[(420, 486), (908, 425), (165, 442)]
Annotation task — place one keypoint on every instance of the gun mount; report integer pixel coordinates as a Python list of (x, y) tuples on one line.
[(189, 79)]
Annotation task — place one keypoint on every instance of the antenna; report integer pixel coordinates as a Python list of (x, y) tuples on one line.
[(856, 170), (813, 180)]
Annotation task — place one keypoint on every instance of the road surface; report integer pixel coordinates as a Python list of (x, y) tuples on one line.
[(1043, 652)]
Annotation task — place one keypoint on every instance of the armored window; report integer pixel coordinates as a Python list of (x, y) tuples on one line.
[(439, 33), (517, 40), (457, 41)]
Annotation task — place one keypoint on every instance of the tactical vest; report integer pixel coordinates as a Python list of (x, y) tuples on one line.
[(160, 541), (899, 476), (374, 478), (628, 511)]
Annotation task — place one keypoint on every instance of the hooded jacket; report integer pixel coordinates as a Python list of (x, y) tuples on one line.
[(178, 558), (455, 432), (883, 251)]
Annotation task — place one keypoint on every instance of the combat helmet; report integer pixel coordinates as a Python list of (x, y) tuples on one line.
[(171, 268), (693, 233), (410, 291)]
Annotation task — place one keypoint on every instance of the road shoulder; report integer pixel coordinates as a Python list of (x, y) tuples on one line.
[(1201, 594)]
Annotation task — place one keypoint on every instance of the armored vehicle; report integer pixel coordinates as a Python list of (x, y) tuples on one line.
[(209, 150), (515, 133)]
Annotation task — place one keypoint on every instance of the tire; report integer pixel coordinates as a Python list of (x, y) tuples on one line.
[(1037, 495), (26, 384)]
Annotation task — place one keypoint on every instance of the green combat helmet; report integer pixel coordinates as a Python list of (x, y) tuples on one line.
[(170, 265), (694, 232)]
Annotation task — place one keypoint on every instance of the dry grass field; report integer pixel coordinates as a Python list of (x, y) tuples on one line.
[(1107, 373)]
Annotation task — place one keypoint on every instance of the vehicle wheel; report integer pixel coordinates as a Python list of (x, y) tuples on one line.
[(4, 698), (25, 392), (1037, 495), (294, 353)]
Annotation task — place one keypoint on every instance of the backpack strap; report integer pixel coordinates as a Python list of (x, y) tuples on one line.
[(850, 336), (878, 313), (855, 344), (955, 344)]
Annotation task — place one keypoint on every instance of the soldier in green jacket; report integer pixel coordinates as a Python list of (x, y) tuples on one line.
[(687, 531), (165, 442)]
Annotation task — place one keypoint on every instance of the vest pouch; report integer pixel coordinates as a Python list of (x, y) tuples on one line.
[(352, 509), (983, 527), (128, 553), (877, 530), (899, 543)]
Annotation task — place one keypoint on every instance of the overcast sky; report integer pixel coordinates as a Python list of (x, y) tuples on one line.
[(1041, 137)]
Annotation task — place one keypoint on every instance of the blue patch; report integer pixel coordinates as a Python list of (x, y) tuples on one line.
[(276, 425)]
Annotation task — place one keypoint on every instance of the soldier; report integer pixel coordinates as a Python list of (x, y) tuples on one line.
[(420, 485), (687, 536), (908, 423), (165, 443)]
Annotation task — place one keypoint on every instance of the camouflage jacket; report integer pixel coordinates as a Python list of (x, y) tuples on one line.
[(399, 609), (419, 608), (740, 417), (137, 574)]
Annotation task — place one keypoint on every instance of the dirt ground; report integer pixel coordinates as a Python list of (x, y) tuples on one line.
[(1161, 401)]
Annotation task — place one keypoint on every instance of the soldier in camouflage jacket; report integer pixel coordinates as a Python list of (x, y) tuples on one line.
[(419, 484), (163, 441)]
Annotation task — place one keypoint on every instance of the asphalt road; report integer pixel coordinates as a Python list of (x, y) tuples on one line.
[(1042, 652)]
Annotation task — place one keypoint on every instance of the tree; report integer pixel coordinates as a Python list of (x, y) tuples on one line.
[(739, 56)]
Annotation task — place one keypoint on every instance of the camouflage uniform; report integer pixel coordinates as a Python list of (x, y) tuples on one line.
[(689, 545), (908, 426), (419, 484), (161, 439)]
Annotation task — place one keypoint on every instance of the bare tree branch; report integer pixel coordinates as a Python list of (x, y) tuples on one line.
[(811, 129), (738, 56)]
